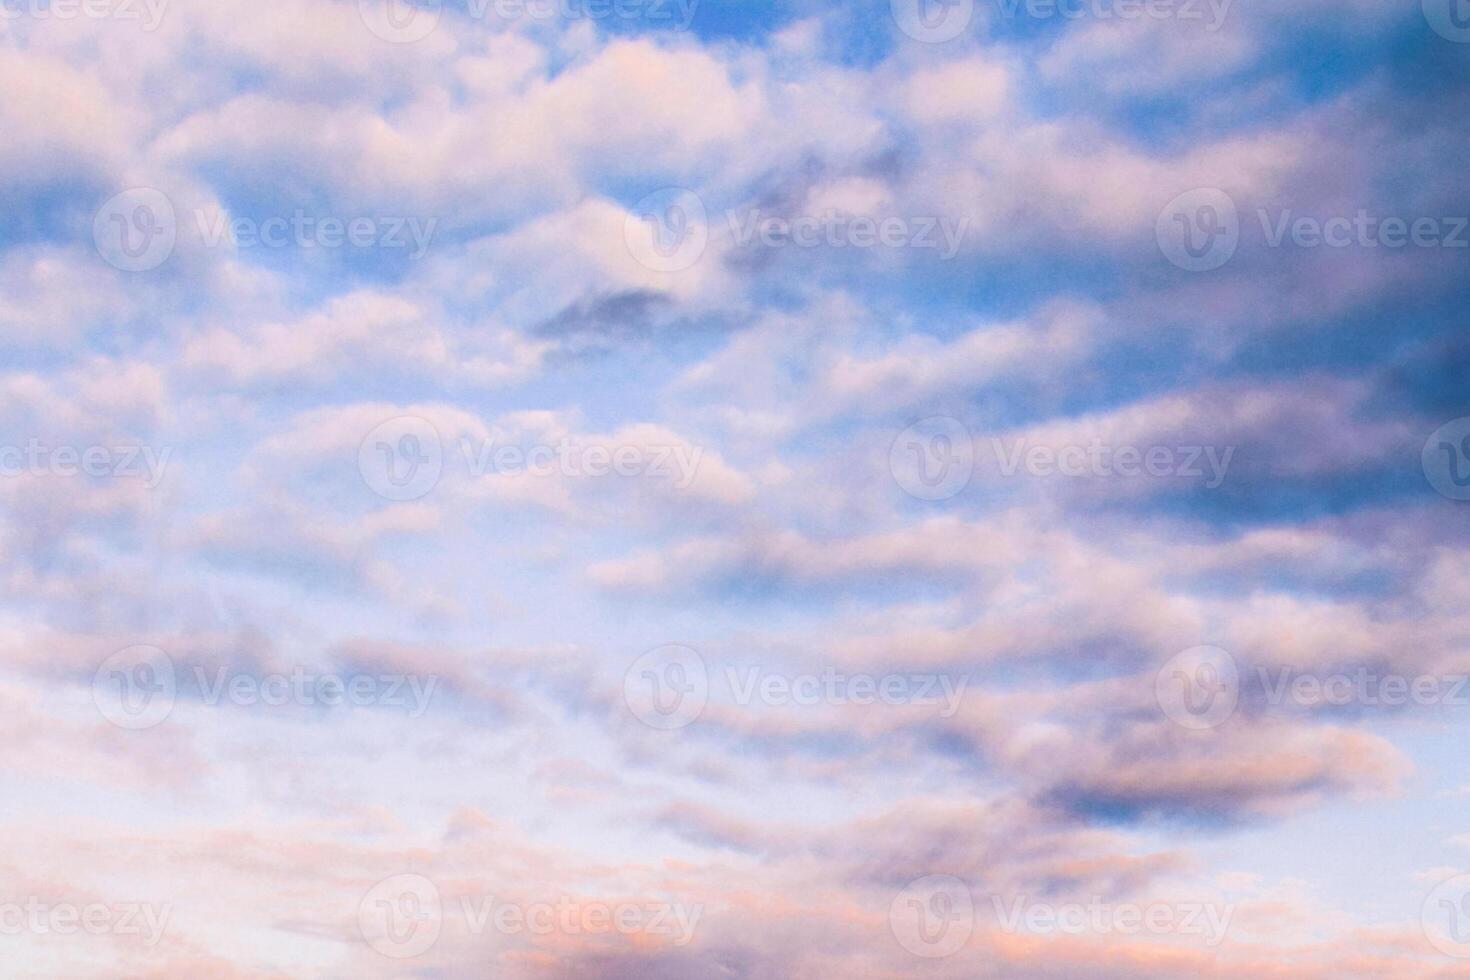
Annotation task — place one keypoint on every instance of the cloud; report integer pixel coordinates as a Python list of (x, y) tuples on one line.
[(622, 452)]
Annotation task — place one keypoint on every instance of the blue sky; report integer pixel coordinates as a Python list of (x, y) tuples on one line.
[(823, 474)]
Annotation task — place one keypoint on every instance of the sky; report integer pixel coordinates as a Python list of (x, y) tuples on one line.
[(770, 489)]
